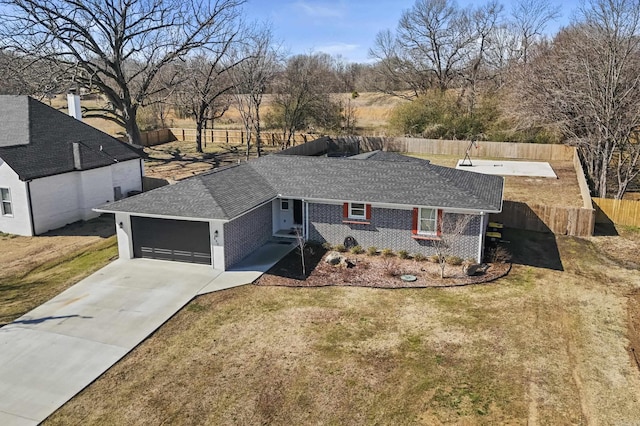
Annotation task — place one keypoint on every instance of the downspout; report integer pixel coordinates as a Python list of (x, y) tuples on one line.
[(483, 228), (141, 175), (33, 226), (306, 220)]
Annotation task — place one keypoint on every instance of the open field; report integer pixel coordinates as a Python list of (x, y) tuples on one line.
[(372, 113), (545, 345), (35, 269)]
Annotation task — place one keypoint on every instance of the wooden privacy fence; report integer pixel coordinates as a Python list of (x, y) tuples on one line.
[(531, 151), (153, 137), (237, 137), (620, 212), (575, 221)]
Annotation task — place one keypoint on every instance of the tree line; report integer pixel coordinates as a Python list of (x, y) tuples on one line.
[(482, 71)]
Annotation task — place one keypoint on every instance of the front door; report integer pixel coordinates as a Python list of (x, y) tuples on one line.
[(297, 212)]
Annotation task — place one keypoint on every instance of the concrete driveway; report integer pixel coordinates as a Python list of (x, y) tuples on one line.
[(53, 352), (50, 354)]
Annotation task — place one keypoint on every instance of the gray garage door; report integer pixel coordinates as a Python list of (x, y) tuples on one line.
[(167, 239)]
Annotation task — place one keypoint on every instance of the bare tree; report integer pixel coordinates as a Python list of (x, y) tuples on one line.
[(117, 47), (431, 46), (258, 62), (301, 244), (531, 18), (302, 96), (586, 83), (452, 228)]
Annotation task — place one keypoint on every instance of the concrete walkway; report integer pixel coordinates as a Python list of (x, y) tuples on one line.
[(53, 352)]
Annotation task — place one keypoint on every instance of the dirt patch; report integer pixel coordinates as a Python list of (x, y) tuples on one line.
[(371, 271)]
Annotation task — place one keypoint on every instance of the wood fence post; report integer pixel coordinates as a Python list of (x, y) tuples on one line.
[(226, 137)]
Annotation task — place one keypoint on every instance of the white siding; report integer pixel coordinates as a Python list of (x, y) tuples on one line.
[(66, 198), (20, 222), (127, 176), (125, 242)]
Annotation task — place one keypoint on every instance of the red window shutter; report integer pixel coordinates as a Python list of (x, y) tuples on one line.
[(439, 223), (368, 211), (414, 225), (345, 210)]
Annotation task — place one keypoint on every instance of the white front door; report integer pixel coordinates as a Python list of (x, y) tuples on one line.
[(286, 213)]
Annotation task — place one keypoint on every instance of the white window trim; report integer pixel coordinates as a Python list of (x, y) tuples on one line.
[(435, 230), (357, 216), (3, 201), (285, 200)]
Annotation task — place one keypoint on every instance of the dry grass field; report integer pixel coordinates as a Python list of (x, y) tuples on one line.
[(372, 112), (545, 345)]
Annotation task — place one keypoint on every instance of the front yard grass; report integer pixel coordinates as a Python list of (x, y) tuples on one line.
[(541, 346)]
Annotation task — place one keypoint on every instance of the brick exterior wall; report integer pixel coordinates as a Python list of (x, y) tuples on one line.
[(246, 233), (389, 228)]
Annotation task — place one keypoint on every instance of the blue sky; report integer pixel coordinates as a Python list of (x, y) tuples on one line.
[(345, 27)]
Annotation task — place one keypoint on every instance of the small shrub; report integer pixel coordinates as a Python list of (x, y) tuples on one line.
[(372, 251), (419, 257), (391, 268), (453, 260), (387, 252), (357, 250), (434, 258), (403, 254), (340, 248), (498, 254)]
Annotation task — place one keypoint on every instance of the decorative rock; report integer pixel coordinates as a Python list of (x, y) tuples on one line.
[(472, 269), (346, 263), (333, 258)]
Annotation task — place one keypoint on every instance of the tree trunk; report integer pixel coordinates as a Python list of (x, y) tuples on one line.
[(129, 114), (199, 126)]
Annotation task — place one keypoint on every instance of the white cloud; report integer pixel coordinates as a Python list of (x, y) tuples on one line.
[(338, 48), (321, 10)]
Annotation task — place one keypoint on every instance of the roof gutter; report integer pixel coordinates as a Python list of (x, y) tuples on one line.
[(394, 205)]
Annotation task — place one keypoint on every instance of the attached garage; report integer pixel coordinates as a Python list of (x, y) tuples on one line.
[(170, 239)]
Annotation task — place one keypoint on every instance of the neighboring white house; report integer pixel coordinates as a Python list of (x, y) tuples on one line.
[(54, 168)]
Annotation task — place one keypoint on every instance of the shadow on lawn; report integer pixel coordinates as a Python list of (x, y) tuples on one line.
[(530, 248), (290, 266)]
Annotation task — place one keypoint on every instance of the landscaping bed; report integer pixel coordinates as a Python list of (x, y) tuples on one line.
[(365, 270)]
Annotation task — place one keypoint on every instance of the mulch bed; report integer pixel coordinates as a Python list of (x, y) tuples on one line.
[(370, 271)]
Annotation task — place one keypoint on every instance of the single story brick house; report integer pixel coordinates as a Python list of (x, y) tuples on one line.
[(54, 169), (380, 199)]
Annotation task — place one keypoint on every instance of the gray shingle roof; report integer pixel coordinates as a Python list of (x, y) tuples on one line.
[(227, 193), (37, 140), (221, 194), (394, 182)]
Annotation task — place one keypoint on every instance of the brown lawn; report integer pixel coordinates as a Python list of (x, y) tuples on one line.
[(547, 344)]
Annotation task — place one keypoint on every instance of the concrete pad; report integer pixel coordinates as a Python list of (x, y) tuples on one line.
[(509, 168), (250, 268)]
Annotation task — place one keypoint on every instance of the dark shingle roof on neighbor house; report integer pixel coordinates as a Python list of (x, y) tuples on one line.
[(229, 192), (37, 140)]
